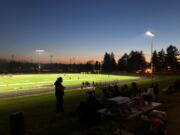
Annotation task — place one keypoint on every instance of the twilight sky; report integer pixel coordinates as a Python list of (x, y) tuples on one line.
[(85, 29)]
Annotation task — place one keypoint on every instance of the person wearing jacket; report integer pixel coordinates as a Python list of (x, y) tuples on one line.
[(59, 93)]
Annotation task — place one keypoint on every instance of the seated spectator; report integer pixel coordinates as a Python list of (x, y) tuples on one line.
[(157, 121), (105, 94), (140, 98), (153, 124), (156, 90), (110, 91), (87, 110), (156, 127), (82, 110), (91, 96), (134, 89), (170, 89), (160, 115), (176, 85), (148, 95), (124, 91), (144, 93), (116, 91)]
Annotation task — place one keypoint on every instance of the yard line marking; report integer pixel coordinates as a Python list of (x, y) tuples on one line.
[(2, 85)]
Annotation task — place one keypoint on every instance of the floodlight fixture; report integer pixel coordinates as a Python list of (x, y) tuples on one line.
[(40, 51), (149, 33)]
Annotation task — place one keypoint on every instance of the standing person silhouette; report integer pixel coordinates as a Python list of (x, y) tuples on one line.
[(59, 93)]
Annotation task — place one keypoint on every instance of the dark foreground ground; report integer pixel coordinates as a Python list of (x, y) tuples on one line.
[(40, 116)]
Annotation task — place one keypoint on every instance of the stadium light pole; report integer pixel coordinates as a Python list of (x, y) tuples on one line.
[(39, 52), (70, 65), (151, 35), (12, 57), (51, 59)]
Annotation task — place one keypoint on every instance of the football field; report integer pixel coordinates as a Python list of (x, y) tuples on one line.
[(35, 81)]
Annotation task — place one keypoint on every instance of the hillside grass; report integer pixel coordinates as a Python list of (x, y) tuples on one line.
[(40, 116)]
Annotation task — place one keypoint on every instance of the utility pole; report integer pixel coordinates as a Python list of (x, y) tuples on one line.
[(51, 59)]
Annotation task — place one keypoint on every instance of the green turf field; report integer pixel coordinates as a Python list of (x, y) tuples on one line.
[(35, 81), (41, 118)]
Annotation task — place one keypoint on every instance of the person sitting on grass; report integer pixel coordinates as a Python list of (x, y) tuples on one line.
[(87, 111)]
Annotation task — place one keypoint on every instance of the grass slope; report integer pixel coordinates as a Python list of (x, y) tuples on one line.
[(40, 116)]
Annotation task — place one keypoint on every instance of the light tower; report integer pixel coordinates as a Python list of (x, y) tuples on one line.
[(51, 59), (151, 35), (39, 52), (12, 57)]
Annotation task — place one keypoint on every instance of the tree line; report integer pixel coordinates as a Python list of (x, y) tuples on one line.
[(133, 61), (163, 60), (169, 60)]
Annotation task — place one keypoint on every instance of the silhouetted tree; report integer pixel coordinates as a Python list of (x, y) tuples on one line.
[(106, 62), (112, 62), (172, 54), (89, 66), (161, 66), (142, 60), (109, 62), (3, 66), (136, 61), (97, 66), (122, 62)]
